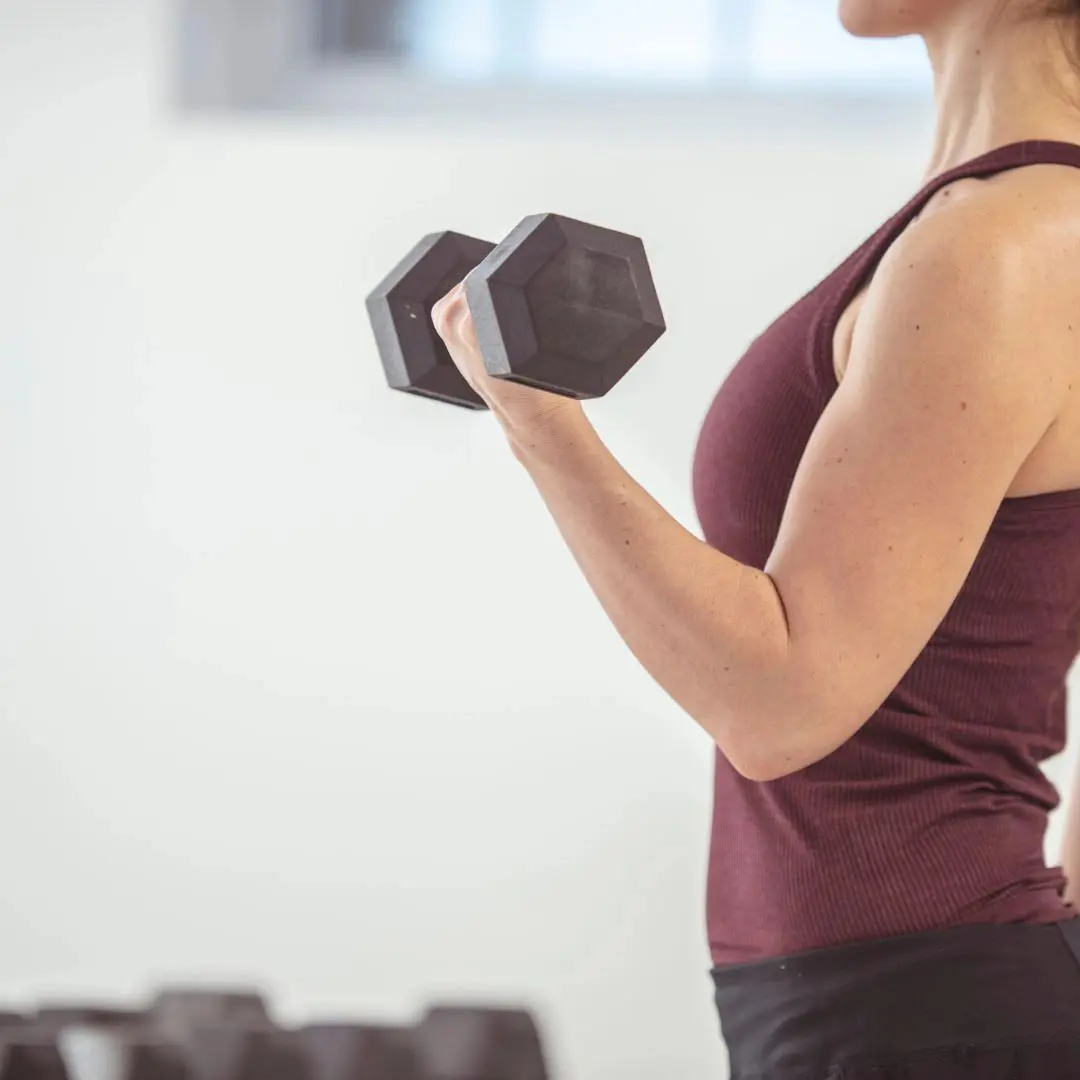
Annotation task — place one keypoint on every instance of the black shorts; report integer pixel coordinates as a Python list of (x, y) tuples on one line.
[(999, 1002)]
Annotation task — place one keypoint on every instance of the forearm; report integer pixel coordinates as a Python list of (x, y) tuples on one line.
[(709, 630)]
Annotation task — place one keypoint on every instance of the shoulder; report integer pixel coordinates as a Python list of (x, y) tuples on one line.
[(985, 284), (1018, 232)]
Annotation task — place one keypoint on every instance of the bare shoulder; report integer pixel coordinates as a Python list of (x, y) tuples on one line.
[(1021, 228), (986, 281)]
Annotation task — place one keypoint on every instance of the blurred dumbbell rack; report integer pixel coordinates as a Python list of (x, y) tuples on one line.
[(230, 1034)]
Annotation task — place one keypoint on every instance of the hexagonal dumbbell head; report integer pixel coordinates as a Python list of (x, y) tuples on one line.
[(413, 355), (457, 1043), (31, 1058), (565, 306), (230, 1053), (178, 1010), (359, 1052), (103, 1054)]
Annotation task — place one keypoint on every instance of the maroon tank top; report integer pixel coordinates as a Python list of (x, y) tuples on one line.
[(934, 813)]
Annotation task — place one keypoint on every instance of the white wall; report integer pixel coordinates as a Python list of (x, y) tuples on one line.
[(298, 683)]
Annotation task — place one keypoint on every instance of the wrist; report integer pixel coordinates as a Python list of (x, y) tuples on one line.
[(546, 432)]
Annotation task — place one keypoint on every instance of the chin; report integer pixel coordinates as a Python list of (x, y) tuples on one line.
[(891, 18)]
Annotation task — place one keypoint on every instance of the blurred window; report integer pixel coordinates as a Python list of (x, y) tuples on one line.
[(766, 44)]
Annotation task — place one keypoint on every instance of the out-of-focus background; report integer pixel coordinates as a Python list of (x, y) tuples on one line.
[(298, 685)]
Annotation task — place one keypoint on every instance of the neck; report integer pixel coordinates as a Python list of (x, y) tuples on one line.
[(1001, 78)]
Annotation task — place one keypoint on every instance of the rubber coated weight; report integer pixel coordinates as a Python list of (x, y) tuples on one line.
[(358, 1052), (177, 1011), (559, 305), (31, 1059), (455, 1043), (99, 1054), (413, 355), (229, 1034), (565, 306), (232, 1053)]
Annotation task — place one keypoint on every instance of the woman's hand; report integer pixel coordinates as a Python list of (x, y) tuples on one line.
[(518, 408)]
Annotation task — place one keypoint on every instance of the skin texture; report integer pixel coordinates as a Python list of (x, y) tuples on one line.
[(898, 18), (957, 390)]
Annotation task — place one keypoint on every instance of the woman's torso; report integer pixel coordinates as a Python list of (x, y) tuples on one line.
[(934, 814)]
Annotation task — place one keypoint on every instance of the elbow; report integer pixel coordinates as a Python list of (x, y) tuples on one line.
[(771, 751), (757, 752)]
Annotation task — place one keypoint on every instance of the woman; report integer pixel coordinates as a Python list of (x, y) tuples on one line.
[(877, 631)]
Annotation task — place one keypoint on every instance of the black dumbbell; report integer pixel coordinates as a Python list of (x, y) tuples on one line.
[(106, 1042), (226, 1034), (178, 1010), (343, 1051), (111, 1054), (236, 1053), (29, 1056), (559, 305), (460, 1043)]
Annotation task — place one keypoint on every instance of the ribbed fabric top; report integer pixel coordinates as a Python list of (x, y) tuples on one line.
[(934, 813)]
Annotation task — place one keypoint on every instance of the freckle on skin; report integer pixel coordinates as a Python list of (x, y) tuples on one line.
[(963, 405)]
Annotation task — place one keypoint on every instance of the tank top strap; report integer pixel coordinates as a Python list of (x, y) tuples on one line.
[(1005, 158)]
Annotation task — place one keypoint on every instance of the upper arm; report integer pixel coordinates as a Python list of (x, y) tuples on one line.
[(961, 361)]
